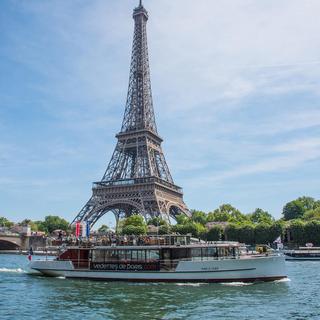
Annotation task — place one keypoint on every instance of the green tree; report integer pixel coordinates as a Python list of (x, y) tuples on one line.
[(293, 210), (164, 229), (246, 233), (52, 223), (39, 226), (33, 225), (261, 234), (194, 228), (103, 229), (232, 232), (134, 220), (260, 216), (157, 221), (218, 216), (308, 203), (214, 233), (182, 219), (134, 230), (312, 232), (226, 213), (199, 217), (276, 229), (297, 232), (134, 225), (297, 208), (313, 214), (4, 222)]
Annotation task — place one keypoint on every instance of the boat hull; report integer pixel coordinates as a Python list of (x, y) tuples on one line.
[(290, 258), (266, 268)]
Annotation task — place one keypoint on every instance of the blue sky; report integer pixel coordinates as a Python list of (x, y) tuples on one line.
[(236, 95)]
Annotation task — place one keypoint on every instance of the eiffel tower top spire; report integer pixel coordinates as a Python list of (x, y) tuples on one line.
[(139, 113)]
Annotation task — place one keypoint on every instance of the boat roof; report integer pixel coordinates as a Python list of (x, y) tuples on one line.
[(157, 247)]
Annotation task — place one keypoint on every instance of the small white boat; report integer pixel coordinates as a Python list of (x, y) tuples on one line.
[(175, 260), (303, 253)]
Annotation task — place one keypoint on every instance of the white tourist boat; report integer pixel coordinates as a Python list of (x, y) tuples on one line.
[(303, 253), (173, 259)]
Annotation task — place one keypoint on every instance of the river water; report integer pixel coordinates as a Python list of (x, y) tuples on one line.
[(23, 296)]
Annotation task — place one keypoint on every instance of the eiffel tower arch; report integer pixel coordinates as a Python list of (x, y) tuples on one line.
[(137, 179)]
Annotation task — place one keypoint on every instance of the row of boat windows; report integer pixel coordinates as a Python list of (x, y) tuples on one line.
[(124, 255), (175, 253), (214, 252)]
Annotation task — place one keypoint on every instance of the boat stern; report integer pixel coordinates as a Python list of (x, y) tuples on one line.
[(53, 268)]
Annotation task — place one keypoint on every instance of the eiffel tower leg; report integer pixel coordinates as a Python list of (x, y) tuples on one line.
[(116, 215), (85, 211)]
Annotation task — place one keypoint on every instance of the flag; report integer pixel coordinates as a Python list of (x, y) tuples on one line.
[(278, 240), (77, 229), (83, 229), (88, 229)]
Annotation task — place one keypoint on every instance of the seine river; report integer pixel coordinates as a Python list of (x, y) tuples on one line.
[(29, 297)]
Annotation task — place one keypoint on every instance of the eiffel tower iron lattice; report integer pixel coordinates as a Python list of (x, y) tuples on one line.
[(137, 180)]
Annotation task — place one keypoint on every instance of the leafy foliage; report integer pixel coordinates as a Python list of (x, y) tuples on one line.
[(164, 229), (52, 223), (214, 233), (297, 231), (182, 219), (297, 208), (103, 229), (226, 213), (4, 222), (312, 214), (199, 217), (194, 228), (260, 216), (157, 221), (134, 225), (134, 230)]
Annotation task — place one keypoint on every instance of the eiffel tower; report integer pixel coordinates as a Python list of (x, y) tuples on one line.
[(137, 180)]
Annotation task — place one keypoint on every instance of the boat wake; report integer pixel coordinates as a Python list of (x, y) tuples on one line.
[(190, 284), (7, 270), (237, 284), (282, 280)]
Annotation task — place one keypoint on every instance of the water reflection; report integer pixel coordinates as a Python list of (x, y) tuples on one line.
[(154, 301)]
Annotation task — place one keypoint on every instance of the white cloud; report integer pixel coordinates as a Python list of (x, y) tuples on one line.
[(283, 157)]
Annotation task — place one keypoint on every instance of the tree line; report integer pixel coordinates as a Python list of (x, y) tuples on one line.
[(48, 225), (299, 224)]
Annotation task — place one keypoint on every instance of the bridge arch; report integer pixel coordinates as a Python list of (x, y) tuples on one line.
[(8, 245)]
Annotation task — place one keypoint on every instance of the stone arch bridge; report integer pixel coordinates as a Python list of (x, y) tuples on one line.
[(12, 242)]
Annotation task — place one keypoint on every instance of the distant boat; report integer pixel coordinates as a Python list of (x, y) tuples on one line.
[(303, 253), (165, 259)]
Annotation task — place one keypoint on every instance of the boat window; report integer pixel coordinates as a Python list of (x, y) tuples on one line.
[(138, 255), (152, 255), (222, 252), (196, 252), (122, 255), (212, 252), (98, 255), (204, 252), (180, 253), (111, 255)]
